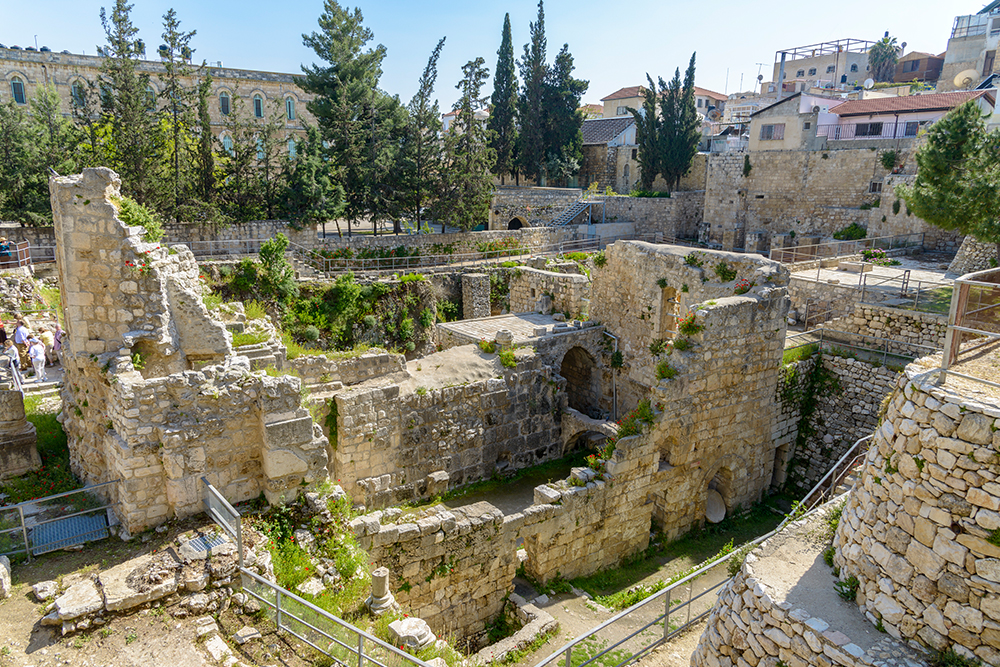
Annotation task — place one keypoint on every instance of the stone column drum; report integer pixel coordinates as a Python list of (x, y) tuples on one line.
[(18, 453)]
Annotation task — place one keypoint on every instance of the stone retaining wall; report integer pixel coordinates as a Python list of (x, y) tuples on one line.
[(390, 439), (906, 328), (918, 528), (677, 216), (316, 369), (828, 299), (532, 207), (898, 220), (973, 256), (566, 291)]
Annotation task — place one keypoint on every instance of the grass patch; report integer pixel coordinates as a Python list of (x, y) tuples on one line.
[(241, 339), (254, 310), (54, 476), (937, 300), (792, 355)]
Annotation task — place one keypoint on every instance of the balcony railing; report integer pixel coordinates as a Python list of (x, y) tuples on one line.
[(870, 130)]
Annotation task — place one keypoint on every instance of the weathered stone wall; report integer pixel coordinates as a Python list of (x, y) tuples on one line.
[(821, 300), (533, 207), (917, 526), (475, 295), (315, 369), (973, 256), (906, 328), (454, 568), (566, 291), (721, 405), (898, 219), (761, 619), (677, 216), (847, 405), (628, 300), (808, 192), (136, 406), (391, 438)]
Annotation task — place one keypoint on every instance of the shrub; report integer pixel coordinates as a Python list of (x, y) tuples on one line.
[(742, 286), (487, 346), (691, 259), (747, 166), (277, 276), (649, 194), (875, 203), (664, 371), (662, 282), (254, 310), (369, 321), (889, 159), (245, 276), (507, 359), (688, 325), (725, 273), (310, 333), (406, 328), (447, 310), (411, 278), (134, 214), (851, 232), (658, 347), (682, 344), (600, 259), (878, 256), (848, 589), (895, 207), (426, 317)]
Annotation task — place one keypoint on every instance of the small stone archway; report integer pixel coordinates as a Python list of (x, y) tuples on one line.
[(517, 222), (579, 430), (725, 482), (582, 380)]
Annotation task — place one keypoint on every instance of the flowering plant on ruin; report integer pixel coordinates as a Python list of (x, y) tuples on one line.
[(141, 265), (742, 286)]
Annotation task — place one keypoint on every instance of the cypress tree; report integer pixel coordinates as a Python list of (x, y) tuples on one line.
[(178, 106), (421, 155), (563, 137), (502, 121), (530, 108), (647, 131)]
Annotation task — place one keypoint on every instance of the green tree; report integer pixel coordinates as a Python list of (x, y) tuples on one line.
[(647, 132), (470, 160), (361, 123), (958, 176), (270, 155), (179, 108), (679, 129), (127, 103), (882, 59), (205, 160), (17, 155), (531, 152), (277, 277), (503, 106), (563, 119), (241, 191), (421, 156), (311, 195)]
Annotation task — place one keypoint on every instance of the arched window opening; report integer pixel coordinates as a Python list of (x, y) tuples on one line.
[(290, 108), (227, 144), (291, 147), (258, 106), (17, 90), (77, 93), (224, 103)]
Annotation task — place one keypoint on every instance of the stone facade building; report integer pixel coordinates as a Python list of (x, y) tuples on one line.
[(263, 94)]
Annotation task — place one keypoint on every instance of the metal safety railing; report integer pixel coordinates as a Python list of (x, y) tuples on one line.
[(904, 287), (834, 249), (7, 370), (15, 254), (838, 342), (636, 631), (56, 521), (317, 260), (974, 313), (326, 633)]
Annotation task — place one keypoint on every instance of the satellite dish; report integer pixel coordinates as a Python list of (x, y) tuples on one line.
[(966, 78), (714, 115), (760, 77), (869, 83)]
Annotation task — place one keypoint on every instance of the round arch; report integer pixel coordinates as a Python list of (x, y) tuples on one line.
[(517, 222)]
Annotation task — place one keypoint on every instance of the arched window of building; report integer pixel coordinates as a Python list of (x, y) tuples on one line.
[(290, 108), (227, 144), (260, 148), (77, 93), (224, 103), (812, 71), (291, 147), (854, 67), (258, 106), (801, 73), (150, 99), (17, 90)]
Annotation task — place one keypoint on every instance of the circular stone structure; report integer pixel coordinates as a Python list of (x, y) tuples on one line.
[(715, 507), (18, 453)]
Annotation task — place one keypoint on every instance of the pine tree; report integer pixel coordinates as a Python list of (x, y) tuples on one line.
[(18, 153), (502, 121), (421, 156), (647, 130), (958, 176), (179, 101), (311, 195), (531, 152), (468, 184), (563, 137), (126, 101), (205, 167)]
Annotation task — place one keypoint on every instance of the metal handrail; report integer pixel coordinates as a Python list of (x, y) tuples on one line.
[(236, 534), (567, 648), (957, 312), (840, 248), (884, 349)]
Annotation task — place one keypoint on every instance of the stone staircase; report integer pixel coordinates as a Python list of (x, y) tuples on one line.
[(262, 355)]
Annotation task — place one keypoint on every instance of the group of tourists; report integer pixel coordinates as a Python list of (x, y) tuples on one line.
[(31, 350)]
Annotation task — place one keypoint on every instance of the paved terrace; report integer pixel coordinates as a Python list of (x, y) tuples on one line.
[(526, 327)]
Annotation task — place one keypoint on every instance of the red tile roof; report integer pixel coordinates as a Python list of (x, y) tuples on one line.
[(637, 91), (910, 103)]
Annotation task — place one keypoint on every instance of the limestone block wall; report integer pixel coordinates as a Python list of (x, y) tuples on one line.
[(809, 192), (822, 300), (906, 328), (973, 256), (153, 396), (916, 531), (788, 411), (391, 438), (315, 369), (899, 221), (532, 206), (629, 301), (566, 291), (772, 613), (721, 407), (454, 568), (677, 216)]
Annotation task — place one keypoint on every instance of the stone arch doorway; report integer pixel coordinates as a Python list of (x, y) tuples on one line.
[(579, 369), (516, 223)]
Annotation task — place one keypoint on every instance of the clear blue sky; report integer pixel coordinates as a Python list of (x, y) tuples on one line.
[(614, 43)]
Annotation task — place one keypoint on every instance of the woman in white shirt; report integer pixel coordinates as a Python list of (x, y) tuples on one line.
[(36, 353)]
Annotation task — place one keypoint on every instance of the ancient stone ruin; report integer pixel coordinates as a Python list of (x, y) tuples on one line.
[(153, 394)]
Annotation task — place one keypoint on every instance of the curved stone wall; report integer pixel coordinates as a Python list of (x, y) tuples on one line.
[(920, 527), (972, 256)]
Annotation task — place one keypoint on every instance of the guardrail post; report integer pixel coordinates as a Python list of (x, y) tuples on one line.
[(666, 617), (24, 532), (569, 657), (277, 608), (361, 650)]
